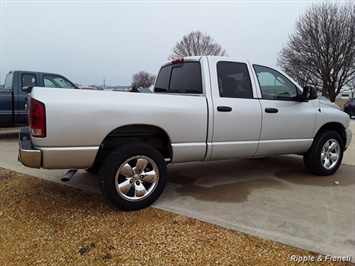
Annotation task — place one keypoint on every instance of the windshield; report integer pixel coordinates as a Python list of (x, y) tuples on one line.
[(53, 81)]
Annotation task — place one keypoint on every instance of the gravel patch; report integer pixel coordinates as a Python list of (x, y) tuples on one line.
[(45, 223)]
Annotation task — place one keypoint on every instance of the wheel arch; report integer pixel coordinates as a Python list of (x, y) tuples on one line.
[(334, 126), (149, 134)]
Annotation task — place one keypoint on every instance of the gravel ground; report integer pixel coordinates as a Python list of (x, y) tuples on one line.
[(45, 223)]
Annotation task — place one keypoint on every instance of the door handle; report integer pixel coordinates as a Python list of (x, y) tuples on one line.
[(271, 110), (224, 109), (26, 103)]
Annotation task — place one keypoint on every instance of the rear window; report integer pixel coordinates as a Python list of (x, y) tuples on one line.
[(180, 78)]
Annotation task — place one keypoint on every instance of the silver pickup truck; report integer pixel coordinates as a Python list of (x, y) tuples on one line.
[(202, 109)]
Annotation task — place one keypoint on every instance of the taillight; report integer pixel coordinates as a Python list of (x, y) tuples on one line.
[(37, 119), (177, 61)]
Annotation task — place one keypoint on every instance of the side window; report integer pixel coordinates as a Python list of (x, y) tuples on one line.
[(274, 85), (234, 80), (28, 80), (53, 81), (180, 78)]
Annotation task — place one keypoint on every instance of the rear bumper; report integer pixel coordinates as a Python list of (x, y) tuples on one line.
[(54, 157), (28, 155)]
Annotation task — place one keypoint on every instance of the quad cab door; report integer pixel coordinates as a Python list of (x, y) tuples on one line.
[(287, 122), (236, 112)]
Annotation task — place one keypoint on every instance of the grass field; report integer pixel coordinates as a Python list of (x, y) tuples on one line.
[(340, 103)]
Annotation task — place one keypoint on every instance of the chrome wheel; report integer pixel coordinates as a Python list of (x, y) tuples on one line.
[(136, 178), (326, 153), (133, 176), (330, 154)]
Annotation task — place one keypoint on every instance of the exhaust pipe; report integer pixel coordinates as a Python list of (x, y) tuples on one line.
[(68, 175)]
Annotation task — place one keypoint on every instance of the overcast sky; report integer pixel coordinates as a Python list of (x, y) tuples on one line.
[(89, 41)]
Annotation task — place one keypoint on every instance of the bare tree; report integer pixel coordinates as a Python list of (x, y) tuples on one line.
[(351, 86), (196, 43), (321, 52), (142, 79)]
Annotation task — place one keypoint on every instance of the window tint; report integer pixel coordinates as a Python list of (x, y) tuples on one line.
[(180, 78), (274, 85), (162, 82), (53, 81), (28, 80), (234, 80)]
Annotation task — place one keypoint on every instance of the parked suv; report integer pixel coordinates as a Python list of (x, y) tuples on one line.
[(349, 107)]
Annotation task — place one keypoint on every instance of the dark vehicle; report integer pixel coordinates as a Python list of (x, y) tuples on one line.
[(13, 98), (349, 107)]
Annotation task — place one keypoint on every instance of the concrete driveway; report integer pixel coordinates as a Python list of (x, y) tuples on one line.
[(273, 198)]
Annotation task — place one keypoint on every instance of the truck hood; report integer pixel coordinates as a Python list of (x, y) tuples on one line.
[(325, 101)]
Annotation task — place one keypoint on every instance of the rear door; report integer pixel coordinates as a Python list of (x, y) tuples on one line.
[(236, 110)]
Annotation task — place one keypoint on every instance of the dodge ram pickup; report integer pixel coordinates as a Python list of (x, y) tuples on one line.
[(203, 108), (13, 98)]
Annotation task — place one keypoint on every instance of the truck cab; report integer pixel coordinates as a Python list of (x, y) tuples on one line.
[(13, 99)]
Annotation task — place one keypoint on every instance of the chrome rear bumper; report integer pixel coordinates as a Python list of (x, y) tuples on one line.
[(28, 155)]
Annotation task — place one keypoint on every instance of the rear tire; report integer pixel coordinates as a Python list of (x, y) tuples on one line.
[(325, 155), (133, 176)]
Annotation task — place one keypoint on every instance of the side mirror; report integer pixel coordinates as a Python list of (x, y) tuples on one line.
[(309, 93)]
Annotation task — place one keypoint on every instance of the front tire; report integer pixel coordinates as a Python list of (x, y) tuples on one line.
[(133, 176), (326, 153)]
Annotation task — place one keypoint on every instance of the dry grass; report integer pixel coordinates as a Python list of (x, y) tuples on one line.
[(340, 103), (45, 223)]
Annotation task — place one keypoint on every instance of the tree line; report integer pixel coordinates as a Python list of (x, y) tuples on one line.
[(320, 53)]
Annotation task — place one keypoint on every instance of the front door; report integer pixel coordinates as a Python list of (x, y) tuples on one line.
[(288, 124)]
